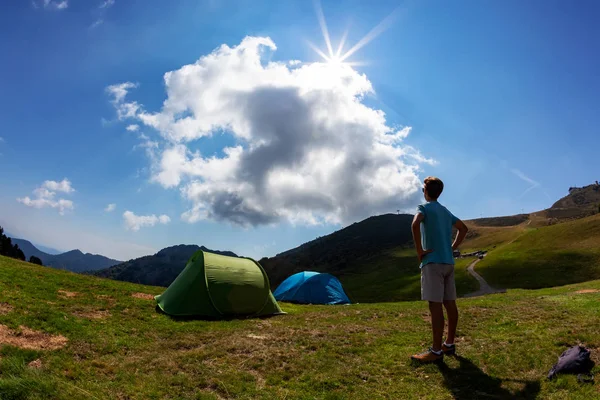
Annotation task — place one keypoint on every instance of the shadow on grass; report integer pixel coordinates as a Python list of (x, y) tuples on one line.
[(208, 319), (537, 269), (467, 381)]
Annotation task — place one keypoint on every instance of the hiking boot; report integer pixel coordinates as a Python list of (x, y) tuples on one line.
[(449, 350), (428, 357)]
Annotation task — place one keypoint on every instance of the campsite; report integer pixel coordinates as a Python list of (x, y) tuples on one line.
[(79, 336), (299, 200), (98, 338)]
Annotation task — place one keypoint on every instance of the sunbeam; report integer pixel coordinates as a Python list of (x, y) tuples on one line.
[(337, 58), (318, 51), (378, 30), (323, 24), (341, 46)]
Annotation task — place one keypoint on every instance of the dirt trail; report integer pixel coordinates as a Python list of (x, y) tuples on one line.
[(484, 287)]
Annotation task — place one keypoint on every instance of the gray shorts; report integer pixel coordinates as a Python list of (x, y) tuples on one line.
[(437, 282)]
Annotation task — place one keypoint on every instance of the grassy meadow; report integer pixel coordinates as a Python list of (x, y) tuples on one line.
[(91, 338), (395, 276), (549, 256)]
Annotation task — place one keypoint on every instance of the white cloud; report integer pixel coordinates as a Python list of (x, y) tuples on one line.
[(308, 150), (100, 13), (133, 127), (107, 4), (135, 222), (533, 183), (67, 234), (97, 23), (111, 207), (118, 92), (151, 147), (52, 4), (44, 196), (62, 186), (525, 177)]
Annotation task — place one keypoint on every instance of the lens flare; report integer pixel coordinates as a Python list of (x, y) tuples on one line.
[(338, 58)]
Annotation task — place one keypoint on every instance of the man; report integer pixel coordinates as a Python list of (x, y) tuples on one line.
[(432, 234)]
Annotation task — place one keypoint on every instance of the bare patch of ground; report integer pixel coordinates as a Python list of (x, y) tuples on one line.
[(5, 308), (106, 297), (257, 337), (27, 338), (35, 364), (64, 293), (144, 296), (92, 314), (583, 291)]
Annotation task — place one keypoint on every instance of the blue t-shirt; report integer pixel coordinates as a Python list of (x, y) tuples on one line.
[(436, 233)]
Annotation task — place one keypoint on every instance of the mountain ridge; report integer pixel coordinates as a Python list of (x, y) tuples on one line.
[(72, 260), (159, 269)]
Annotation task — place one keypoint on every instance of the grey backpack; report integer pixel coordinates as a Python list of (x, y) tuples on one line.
[(575, 360)]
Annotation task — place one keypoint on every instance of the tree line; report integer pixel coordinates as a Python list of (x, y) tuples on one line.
[(9, 250)]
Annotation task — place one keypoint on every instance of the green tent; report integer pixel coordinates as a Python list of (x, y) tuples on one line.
[(216, 286)]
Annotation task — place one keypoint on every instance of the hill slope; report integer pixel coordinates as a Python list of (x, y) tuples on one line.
[(73, 260), (342, 252), (104, 340), (160, 269), (583, 197), (29, 249), (549, 256), (375, 262)]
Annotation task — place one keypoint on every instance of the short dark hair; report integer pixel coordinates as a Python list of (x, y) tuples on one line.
[(434, 187)]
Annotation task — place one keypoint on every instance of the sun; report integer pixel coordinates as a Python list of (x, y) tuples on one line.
[(335, 60), (338, 58)]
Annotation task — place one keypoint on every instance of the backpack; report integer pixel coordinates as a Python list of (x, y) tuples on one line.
[(575, 360)]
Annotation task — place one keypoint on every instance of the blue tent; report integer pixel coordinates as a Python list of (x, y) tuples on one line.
[(311, 288)]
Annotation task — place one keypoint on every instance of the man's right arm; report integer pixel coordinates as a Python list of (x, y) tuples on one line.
[(416, 232), (460, 236)]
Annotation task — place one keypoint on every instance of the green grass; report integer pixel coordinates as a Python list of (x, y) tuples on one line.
[(395, 276), (550, 256), (488, 238), (507, 344)]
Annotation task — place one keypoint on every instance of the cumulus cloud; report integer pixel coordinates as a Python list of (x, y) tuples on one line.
[(135, 222), (133, 127), (118, 93), (308, 150), (111, 207), (62, 186), (52, 4), (45, 196)]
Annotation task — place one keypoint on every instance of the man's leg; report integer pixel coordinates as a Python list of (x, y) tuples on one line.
[(437, 324), (432, 291), (452, 312)]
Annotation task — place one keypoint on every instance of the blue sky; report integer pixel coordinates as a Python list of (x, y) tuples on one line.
[(499, 99)]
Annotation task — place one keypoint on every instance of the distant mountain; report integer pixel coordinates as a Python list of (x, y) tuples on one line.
[(344, 252), (29, 249), (158, 270), (580, 202), (73, 260), (48, 250), (376, 246)]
